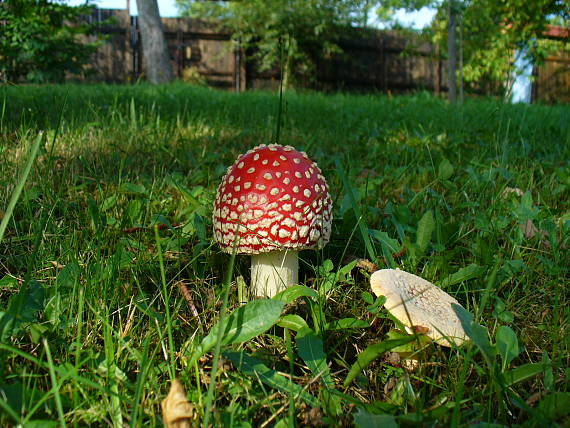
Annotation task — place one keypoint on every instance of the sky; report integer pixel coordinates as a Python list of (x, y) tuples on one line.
[(168, 9)]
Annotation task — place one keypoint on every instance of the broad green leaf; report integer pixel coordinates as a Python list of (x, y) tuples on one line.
[(256, 369), (109, 203), (426, 226), (69, 275), (555, 405), (134, 188), (363, 419), (243, 324), (408, 348), (389, 246), (507, 344), (445, 170), (346, 269), (8, 282), (371, 353), (293, 293), (293, 322), (476, 332), (345, 323), (310, 349), (462, 275), (524, 372), (22, 309)]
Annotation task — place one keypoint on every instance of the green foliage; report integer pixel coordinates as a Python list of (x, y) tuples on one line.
[(491, 32), (243, 324), (40, 41), (122, 309), (292, 34)]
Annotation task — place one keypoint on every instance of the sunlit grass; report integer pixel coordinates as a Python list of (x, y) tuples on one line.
[(81, 261)]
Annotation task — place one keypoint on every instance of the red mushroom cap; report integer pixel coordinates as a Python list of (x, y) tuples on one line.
[(274, 198)]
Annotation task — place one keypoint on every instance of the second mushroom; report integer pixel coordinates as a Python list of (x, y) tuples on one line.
[(272, 202)]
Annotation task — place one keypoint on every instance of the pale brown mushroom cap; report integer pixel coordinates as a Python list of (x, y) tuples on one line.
[(417, 302)]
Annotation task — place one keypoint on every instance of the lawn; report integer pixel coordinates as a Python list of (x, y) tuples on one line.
[(111, 284)]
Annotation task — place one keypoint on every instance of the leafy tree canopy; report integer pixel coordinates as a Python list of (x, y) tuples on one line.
[(492, 31), (40, 40), (305, 29)]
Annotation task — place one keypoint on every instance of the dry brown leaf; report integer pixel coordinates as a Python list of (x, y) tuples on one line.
[(57, 265), (515, 190), (177, 411), (367, 265), (529, 231)]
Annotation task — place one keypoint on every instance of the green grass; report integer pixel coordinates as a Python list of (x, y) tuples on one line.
[(93, 323)]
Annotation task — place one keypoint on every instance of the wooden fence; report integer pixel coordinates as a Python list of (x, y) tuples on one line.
[(373, 60)]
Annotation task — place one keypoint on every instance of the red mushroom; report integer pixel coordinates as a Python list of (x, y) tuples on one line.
[(272, 202)]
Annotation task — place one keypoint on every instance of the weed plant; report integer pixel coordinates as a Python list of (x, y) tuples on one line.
[(111, 284)]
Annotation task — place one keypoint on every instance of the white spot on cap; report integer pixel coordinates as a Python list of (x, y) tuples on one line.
[(247, 185), (286, 207), (307, 193), (262, 199), (285, 197), (251, 170), (268, 176), (303, 231), (258, 213), (240, 165), (315, 234), (299, 203), (298, 174), (256, 156), (278, 174), (252, 198), (274, 229), (260, 187), (317, 188), (307, 174), (237, 188), (298, 216), (275, 163), (234, 201), (296, 189), (286, 181), (264, 162), (297, 160), (289, 222), (231, 179), (284, 233), (274, 191), (283, 158)]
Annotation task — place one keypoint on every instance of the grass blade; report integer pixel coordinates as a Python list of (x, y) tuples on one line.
[(255, 368), (371, 353), (20, 185), (55, 386)]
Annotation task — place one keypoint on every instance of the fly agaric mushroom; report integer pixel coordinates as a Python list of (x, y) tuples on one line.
[(272, 202), (419, 305)]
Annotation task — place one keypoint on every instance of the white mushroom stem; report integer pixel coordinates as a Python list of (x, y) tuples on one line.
[(273, 272)]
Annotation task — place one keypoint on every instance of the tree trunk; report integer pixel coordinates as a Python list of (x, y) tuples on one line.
[(155, 50), (452, 52)]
